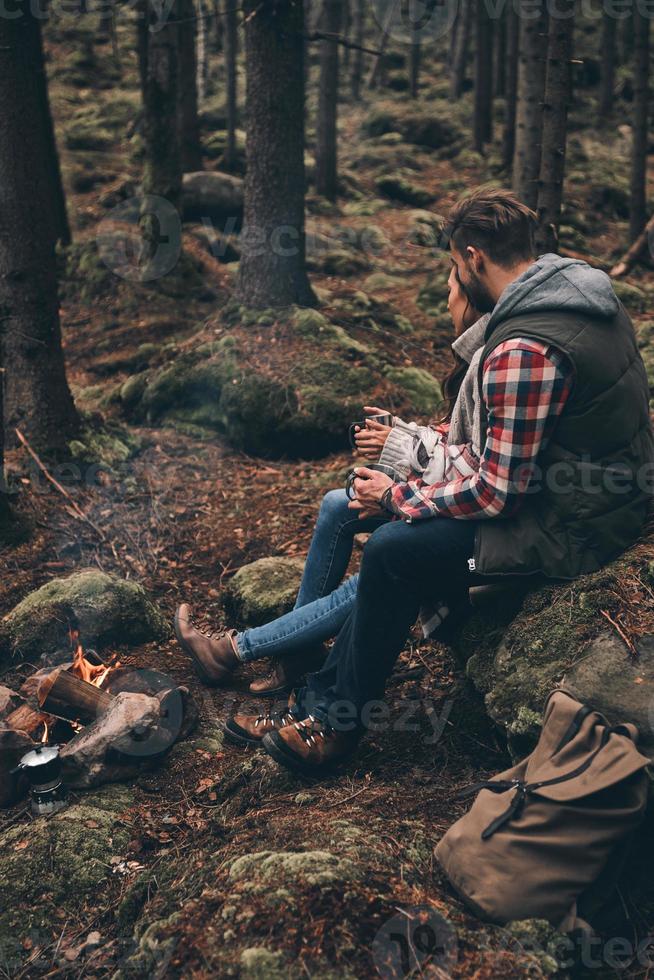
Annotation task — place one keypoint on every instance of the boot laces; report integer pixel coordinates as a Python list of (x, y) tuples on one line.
[(274, 718), (312, 728)]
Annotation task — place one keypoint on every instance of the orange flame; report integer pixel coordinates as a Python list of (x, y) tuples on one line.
[(81, 667)]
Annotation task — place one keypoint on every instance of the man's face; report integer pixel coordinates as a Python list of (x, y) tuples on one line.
[(473, 283)]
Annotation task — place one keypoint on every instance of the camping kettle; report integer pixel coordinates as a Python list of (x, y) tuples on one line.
[(42, 766)]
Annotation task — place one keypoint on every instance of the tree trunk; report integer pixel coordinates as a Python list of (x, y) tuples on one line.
[(607, 81), (327, 128), (414, 68), (346, 30), (272, 268), (511, 89), (375, 78), (555, 124), (500, 51), (460, 57), (202, 71), (627, 32), (357, 61), (231, 51), (189, 126), (37, 397), (163, 166), (142, 34), (483, 116), (529, 109), (57, 193), (638, 183)]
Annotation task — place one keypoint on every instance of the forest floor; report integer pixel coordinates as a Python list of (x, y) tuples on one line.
[(181, 516)]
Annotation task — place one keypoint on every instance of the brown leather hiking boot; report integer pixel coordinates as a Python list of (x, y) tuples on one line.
[(250, 729), (214, 656), (310, 745), (288, 672)]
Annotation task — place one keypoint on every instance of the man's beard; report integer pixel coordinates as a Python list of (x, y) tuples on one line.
[(477, 294)]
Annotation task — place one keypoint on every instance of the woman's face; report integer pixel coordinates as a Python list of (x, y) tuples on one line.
[(458, 305)]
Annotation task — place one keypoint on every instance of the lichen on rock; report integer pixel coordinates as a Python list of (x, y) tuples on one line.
[(104, 607)]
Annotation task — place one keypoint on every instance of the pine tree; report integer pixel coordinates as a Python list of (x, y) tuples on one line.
[(37, 396), (357, 61), (231, 52), (460, 53), (555, 117), (326, 128), (607, 79), (189, 126), (529, 109), (511, 89), (272, 270), (483, 117), (639, 125)]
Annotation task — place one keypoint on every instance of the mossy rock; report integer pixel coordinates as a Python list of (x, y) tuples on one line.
[(425, 228), (338, 262), (106, 609), (87, 134), (312, 324), (259, 963), (432, 127), (421, 388), (432, 297), (65, 857), (263, 590), (297, 870), (634, 298), (398, 188), (520, 644)]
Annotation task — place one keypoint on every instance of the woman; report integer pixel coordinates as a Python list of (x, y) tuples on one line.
[(295, 641)]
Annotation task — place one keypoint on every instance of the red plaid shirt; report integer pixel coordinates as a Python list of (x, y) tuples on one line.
[(525, 387)]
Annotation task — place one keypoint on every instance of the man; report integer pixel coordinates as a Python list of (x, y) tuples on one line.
[(562, 484)]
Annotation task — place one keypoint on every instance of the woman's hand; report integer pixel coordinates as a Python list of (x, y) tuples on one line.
[(369, 487), (370, 440)]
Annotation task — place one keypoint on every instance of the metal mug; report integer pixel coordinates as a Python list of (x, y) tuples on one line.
[(380, 467), (384, 419)]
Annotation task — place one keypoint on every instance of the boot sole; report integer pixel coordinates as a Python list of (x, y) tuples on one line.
[(271, 743), (188, 650), (271, 692), (236, 738)]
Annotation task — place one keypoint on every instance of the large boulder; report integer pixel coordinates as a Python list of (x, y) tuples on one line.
[(518, 645), (212, 195), (106, 609), (263, 590), (432, 127)]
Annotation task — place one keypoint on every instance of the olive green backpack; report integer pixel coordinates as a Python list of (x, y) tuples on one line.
[(540, 835)]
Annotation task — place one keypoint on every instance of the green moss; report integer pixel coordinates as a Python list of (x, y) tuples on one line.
[(259, 963), (419, 386), (433, 127), (634, 298), (65, 856), (319, 869), (263, 590), (398, 188), (106, 608), (432, 297)]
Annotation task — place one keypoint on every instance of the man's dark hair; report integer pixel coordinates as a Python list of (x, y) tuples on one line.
[(496, 222)]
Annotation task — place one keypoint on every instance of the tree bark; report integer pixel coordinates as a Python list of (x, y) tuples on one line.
[(202, 52), (460, 56), (500, 51), (511, 89), (483, 113), (555, 123), (163, 161), (357, 61), (37, 396), (375, 78), (638, 182), (327, 125), (273, 268), (189, 126), (58, 196), (414, 68), (607, 81), (231, 51), (529, 109)]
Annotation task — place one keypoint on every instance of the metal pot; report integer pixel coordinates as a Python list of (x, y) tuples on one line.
[(42, 766)]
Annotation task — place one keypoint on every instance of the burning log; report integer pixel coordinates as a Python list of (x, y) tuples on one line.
[(26, 719), (67, 696)]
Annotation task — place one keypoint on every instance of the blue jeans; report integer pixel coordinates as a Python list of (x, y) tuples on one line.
[(324, 601), (403, 565)]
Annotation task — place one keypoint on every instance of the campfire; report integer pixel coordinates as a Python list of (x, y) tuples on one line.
[(105, 720)]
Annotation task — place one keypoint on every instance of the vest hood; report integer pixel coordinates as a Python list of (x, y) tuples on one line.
[(555, 284), (472, 339)]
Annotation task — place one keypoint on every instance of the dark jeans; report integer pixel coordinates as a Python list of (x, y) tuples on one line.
[(403, 565)]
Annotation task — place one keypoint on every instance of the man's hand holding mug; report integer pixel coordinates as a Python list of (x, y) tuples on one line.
[(368, 484)]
